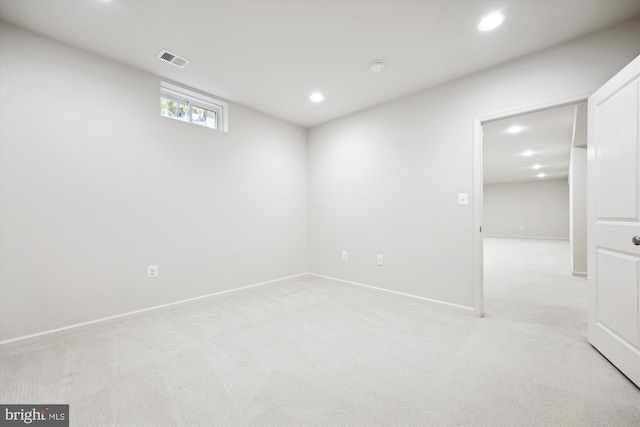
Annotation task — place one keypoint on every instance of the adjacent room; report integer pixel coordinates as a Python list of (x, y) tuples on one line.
[(338, 213), (534, 209)]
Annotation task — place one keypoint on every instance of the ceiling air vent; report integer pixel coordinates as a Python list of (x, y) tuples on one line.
[(172, 58)]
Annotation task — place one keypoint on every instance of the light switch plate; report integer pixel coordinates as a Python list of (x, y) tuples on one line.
[(463, 199)]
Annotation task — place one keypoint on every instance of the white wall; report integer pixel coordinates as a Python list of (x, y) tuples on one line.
[(386, 180), (578, 193), (96, 186), (527, 209), (578, 210)]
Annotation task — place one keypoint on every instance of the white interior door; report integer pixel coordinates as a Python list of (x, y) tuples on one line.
[(614, 220)]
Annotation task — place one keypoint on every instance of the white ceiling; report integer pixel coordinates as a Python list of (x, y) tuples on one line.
[(548, 134), (270, 55)]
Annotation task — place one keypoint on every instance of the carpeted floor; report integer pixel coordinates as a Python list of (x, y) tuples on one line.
[(308, 351)]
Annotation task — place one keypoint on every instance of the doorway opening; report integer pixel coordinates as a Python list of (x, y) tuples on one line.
[(530, 186)]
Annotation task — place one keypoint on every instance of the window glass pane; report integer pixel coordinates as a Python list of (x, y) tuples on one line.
[(198, 115), (212, 121), (202, 116), (172, 108), (182, 111)]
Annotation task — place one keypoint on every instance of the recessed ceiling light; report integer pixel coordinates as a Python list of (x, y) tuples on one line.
[(528, 153), (541, 175), (316, 97), (536, 166), (491, 21), (515, 129)]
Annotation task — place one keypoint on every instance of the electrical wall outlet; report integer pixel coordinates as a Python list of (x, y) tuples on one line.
[(380, 260), (152, 271), (344, 255)]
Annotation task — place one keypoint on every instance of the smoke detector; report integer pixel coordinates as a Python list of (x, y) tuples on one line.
[(172, 58), (377, 65)]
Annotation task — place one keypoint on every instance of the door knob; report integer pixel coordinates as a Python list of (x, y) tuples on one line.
[(636, 240)]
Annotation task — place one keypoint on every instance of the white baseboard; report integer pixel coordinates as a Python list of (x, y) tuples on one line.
[(459, 308), (118, 318), (525, 237), (574, 272)]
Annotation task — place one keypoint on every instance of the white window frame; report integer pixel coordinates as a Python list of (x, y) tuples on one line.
[(180, 94)]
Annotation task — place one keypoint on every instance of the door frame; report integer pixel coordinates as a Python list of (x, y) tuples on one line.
[(478, 181)]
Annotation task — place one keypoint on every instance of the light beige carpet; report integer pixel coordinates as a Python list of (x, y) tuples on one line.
[(311, 352)]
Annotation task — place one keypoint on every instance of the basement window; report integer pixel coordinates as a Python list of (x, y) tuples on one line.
[(192, 107)]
